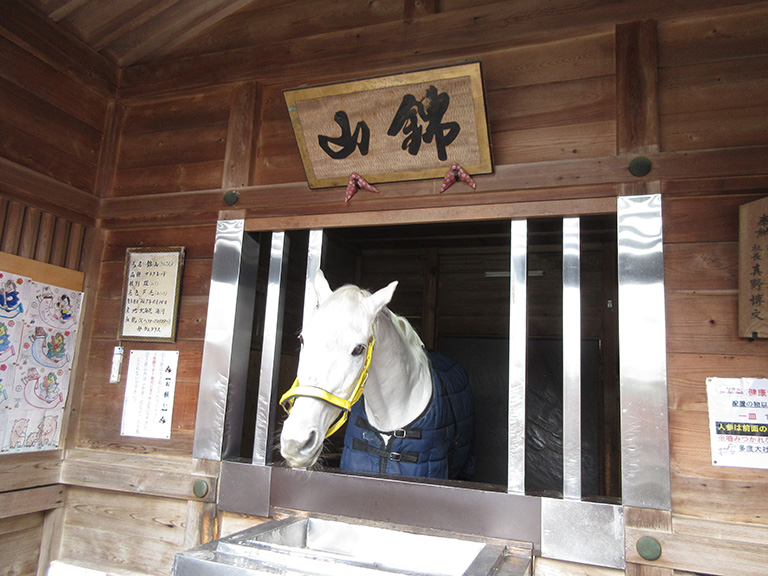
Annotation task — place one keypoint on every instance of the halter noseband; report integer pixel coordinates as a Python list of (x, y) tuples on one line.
[(287, 400)]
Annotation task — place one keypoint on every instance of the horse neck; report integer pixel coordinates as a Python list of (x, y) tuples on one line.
[(399, 383)]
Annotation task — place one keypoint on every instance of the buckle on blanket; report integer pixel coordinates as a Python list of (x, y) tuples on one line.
[(395, 456)]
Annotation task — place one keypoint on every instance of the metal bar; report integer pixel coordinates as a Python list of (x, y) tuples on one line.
[(518, 337), (271, 347), (642, 354), (314, 263), (571, 359), (224, 368)]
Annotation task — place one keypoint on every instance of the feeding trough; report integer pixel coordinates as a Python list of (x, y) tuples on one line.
[(331, 546)]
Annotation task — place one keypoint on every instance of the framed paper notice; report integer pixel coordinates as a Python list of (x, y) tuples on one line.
[(151, 294)]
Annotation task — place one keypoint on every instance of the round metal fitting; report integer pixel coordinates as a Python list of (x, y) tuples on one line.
[(200, 488), (640, 166), (649, 548), (231, 197)]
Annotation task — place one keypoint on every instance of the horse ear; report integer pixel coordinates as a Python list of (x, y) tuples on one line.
[(382, 297), (321, 287)]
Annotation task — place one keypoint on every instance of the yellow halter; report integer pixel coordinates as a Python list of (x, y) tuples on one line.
[(287, 400)]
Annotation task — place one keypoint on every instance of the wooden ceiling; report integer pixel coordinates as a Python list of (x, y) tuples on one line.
[(129, 32)]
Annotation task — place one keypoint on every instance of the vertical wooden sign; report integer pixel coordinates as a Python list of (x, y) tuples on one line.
[(753, 269)]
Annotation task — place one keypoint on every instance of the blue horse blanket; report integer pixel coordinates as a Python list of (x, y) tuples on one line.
[(438, 444)]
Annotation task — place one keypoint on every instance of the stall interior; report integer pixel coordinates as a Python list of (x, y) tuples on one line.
[(454, 288)]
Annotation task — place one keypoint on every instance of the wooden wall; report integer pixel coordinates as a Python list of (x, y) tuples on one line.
[(573, 93)]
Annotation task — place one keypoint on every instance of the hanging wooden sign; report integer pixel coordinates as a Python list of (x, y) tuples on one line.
[(753, 269), (151, 294), (409, 126)]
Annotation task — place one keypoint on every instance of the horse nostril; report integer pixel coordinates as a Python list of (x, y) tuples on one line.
[(310, 443)]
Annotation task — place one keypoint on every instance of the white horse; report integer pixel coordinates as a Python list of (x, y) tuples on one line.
[(351, 342)]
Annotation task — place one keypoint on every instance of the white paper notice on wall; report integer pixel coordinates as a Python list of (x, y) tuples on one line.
[(149, 391), (738, 421)]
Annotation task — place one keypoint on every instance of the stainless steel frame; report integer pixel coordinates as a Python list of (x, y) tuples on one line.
[(643, 354), (224, 370), (568, 529)]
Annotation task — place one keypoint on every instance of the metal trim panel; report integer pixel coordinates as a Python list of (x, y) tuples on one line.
[(518, 339), (642, 354), (245, 488), (571, 358), (271, 347), (447, 506), (227, 334), (583, 532)]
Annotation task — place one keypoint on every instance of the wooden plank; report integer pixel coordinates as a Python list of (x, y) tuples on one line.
[(701, 267), (197, 241), (196, 144), (60, 242), (715, 35), (29, 232), (26, 150), (41, 37), (49, 123), (210, 105), (30, 469), (32, 500), (164, 477), (556, 143), (132, 515), (74, 246), (729, 500), (45, 237), (240, 136), (710, 218), (637, 113), (707, 324), (41, 191), (713, 86), (20, 549), (185, 177), (49, 85), (687, 375), (553, 104), (698, 130), (753, 533), (41, 271), (14, 220), (700, 554)]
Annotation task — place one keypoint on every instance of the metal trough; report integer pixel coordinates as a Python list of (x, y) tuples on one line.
[(323, 546)]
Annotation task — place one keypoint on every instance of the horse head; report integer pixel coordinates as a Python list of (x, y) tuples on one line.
[(336, 349)]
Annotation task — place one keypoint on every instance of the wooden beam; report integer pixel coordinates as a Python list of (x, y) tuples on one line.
[(510, 183), (20, 502), (241, 135), (637, 98)]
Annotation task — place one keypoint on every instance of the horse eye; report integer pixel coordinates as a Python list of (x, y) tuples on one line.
[(359, 349)]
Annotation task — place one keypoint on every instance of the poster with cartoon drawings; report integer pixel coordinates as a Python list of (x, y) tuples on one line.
[(38, 330)]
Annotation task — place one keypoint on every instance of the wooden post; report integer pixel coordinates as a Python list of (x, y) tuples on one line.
[(637, 108)]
